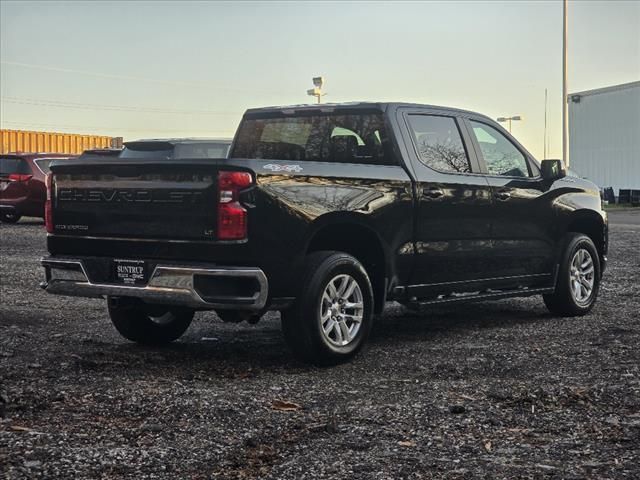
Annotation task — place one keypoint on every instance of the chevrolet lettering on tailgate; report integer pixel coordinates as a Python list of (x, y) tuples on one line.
[(128, 196)]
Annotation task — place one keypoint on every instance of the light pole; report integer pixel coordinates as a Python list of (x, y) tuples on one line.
[(565, 127), (545, 125), (316, 91), (509, 119)]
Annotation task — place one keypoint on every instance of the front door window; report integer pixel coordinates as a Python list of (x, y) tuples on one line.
[(501, 156)]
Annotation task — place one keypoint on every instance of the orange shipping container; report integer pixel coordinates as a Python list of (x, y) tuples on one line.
[(50, 142)]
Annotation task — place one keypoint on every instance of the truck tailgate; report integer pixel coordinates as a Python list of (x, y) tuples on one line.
[(154, 200)]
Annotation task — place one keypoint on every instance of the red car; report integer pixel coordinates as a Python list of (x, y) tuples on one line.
[(22, 189)]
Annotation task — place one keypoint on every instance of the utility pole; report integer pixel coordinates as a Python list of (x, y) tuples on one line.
[(565, 94), (316, 91), (545, 125)]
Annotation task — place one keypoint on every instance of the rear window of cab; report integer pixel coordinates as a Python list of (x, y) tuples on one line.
[(322, 137)]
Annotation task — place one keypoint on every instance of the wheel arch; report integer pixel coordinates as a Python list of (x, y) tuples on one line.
[(591, 224), (353, 235)]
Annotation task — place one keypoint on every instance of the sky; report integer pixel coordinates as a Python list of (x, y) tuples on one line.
[(170, 69)]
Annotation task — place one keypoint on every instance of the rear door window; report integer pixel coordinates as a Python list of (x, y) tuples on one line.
[(9, 165), (439, 144), (323, 137)]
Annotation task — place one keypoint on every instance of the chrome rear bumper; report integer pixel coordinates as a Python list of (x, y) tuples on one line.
[(168, 284)]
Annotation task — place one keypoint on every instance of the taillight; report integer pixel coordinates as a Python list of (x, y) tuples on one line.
[(18, 177), (232, 216), (48, 204)]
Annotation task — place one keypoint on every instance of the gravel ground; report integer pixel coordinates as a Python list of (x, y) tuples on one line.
[(489, 390)]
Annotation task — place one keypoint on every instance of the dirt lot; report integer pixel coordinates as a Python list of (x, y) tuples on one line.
[(491, 390)]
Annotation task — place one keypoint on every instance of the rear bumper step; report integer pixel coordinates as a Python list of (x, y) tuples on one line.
[(206, 287)]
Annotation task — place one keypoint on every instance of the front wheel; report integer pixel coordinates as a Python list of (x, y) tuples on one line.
[(9, 218), (149, 324), (578, 278), (332, 315)]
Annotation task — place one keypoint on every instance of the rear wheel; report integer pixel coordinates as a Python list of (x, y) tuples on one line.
[(578, 278), (9, 217), (332, 316), (149, 324)]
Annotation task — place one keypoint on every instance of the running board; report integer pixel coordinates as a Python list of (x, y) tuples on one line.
[(490, 295)]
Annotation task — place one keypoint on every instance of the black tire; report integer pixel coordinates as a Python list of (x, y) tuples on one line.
[(9, 217), (237, 316), (302, 325), (149, 325), (564, 300)]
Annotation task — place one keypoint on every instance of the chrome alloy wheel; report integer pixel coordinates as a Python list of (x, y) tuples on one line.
[(341, 310), (582, 276)]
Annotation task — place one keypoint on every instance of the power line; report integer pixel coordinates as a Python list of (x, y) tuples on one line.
[(208, 86), (123, 108)]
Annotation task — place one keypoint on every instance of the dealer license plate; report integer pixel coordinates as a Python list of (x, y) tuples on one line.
[(130, 272)]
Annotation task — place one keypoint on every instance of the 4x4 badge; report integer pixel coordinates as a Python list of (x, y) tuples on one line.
[(275, 167)]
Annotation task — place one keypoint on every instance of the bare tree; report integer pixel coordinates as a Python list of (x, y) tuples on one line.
[(444, 157)]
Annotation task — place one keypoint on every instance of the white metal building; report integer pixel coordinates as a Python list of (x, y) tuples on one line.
[(604, 135)]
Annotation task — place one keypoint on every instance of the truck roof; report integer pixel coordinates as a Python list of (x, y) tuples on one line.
[(327, 107)]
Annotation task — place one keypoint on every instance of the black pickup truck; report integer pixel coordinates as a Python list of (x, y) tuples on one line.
[(324, 213)]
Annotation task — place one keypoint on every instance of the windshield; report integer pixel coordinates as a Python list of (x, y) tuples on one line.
[(201, 150), (178, 151), (146, 153)]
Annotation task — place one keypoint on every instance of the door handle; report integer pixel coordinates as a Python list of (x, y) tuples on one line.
[(502, 195), (432, 192)]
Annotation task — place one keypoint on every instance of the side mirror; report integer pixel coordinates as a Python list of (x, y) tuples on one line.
[(553, 169)]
